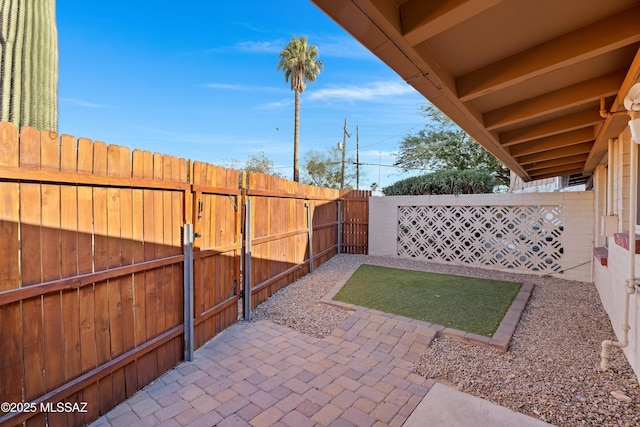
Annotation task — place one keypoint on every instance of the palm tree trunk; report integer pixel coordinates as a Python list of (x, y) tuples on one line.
[(29, 63), (296, 129)]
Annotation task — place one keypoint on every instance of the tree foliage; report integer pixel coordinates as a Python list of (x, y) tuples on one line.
[(324, 169), (255, 163), (443, 182), (443, 145), (262, 164)]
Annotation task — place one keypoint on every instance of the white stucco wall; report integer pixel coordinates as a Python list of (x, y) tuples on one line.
[(577, 216)]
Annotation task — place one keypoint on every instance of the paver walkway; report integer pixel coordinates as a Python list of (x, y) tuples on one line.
[(263, 374)]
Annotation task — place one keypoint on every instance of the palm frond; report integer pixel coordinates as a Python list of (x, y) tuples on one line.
[(300, 63)]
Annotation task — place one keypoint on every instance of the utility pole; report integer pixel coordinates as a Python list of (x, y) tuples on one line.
[(345, 135), (357, 160), (379, 163)]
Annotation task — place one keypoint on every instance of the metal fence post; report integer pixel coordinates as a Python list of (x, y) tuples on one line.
[(246, 277), (187, 241), (339, 227), (310, 222)]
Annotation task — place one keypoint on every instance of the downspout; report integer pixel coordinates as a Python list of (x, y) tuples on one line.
[(610, 178), (631, 281)]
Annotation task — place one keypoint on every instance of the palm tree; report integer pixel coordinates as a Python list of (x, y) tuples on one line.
[(29, 64), (300, 64)]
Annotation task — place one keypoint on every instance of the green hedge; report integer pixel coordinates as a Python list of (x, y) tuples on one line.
[(443, 182)]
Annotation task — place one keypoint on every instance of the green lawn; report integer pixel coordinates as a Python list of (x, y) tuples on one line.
[(465, 303)]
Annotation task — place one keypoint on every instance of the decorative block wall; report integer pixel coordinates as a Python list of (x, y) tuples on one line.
[(520, 237), (537, 233)]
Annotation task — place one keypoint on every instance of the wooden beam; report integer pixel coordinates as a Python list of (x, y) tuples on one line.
[(555, 126), (422, 20), (553, 175), (572, 150), (552, 142), (557, 169), (597, 39), (556, 162), (571, 96)]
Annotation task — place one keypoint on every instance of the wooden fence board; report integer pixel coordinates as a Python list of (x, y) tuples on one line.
[(69, 209), (127, 282), (158, 223), (85, 203), (138, 255), (30, 218), (30, 232), (165, 353), (116, 306), (179, 218), (86, 297), (148, 364), (86, 333), (51, 270), (101, 263), (138, 281), (11, 362), (89, 358), (9, 213)]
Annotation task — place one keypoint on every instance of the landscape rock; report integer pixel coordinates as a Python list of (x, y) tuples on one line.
[(551, 371)]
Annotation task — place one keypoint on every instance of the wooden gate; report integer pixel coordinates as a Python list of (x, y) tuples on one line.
[(217, 218)]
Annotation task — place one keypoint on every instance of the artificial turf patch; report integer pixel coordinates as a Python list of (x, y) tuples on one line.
[(466, 303)]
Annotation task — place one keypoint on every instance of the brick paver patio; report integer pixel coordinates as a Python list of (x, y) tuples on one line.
[(263, 374)]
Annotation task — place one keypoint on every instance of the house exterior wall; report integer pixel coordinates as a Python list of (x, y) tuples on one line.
[(621, 181), (600, 203), (610, 280), (517, 185), (576, 235)]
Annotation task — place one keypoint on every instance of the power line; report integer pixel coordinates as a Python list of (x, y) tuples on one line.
[(393, 136), (362, 164), (377, 164)]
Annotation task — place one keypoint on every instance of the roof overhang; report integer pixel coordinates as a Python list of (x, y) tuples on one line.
[(540, 84)]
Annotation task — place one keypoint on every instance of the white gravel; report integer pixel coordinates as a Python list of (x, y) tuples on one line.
[(550, 372)]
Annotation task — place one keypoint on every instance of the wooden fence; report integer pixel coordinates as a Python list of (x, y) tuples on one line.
[(355, 222), (285, 215), (92, 263)]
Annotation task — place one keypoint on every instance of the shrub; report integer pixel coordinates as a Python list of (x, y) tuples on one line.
[(443, 182)]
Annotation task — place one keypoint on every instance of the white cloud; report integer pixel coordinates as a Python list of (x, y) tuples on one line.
[(336, 47), (242, 88), (342, 48), (276, 104), (260, 47), (226, 86), (371, 92), (81, 103)]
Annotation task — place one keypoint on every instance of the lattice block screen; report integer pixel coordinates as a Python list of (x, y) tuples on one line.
[(518, 237)]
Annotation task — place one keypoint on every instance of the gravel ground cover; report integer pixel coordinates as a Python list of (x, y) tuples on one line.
[(550, 372)]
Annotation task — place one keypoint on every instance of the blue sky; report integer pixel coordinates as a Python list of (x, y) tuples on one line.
[(199, 81)]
